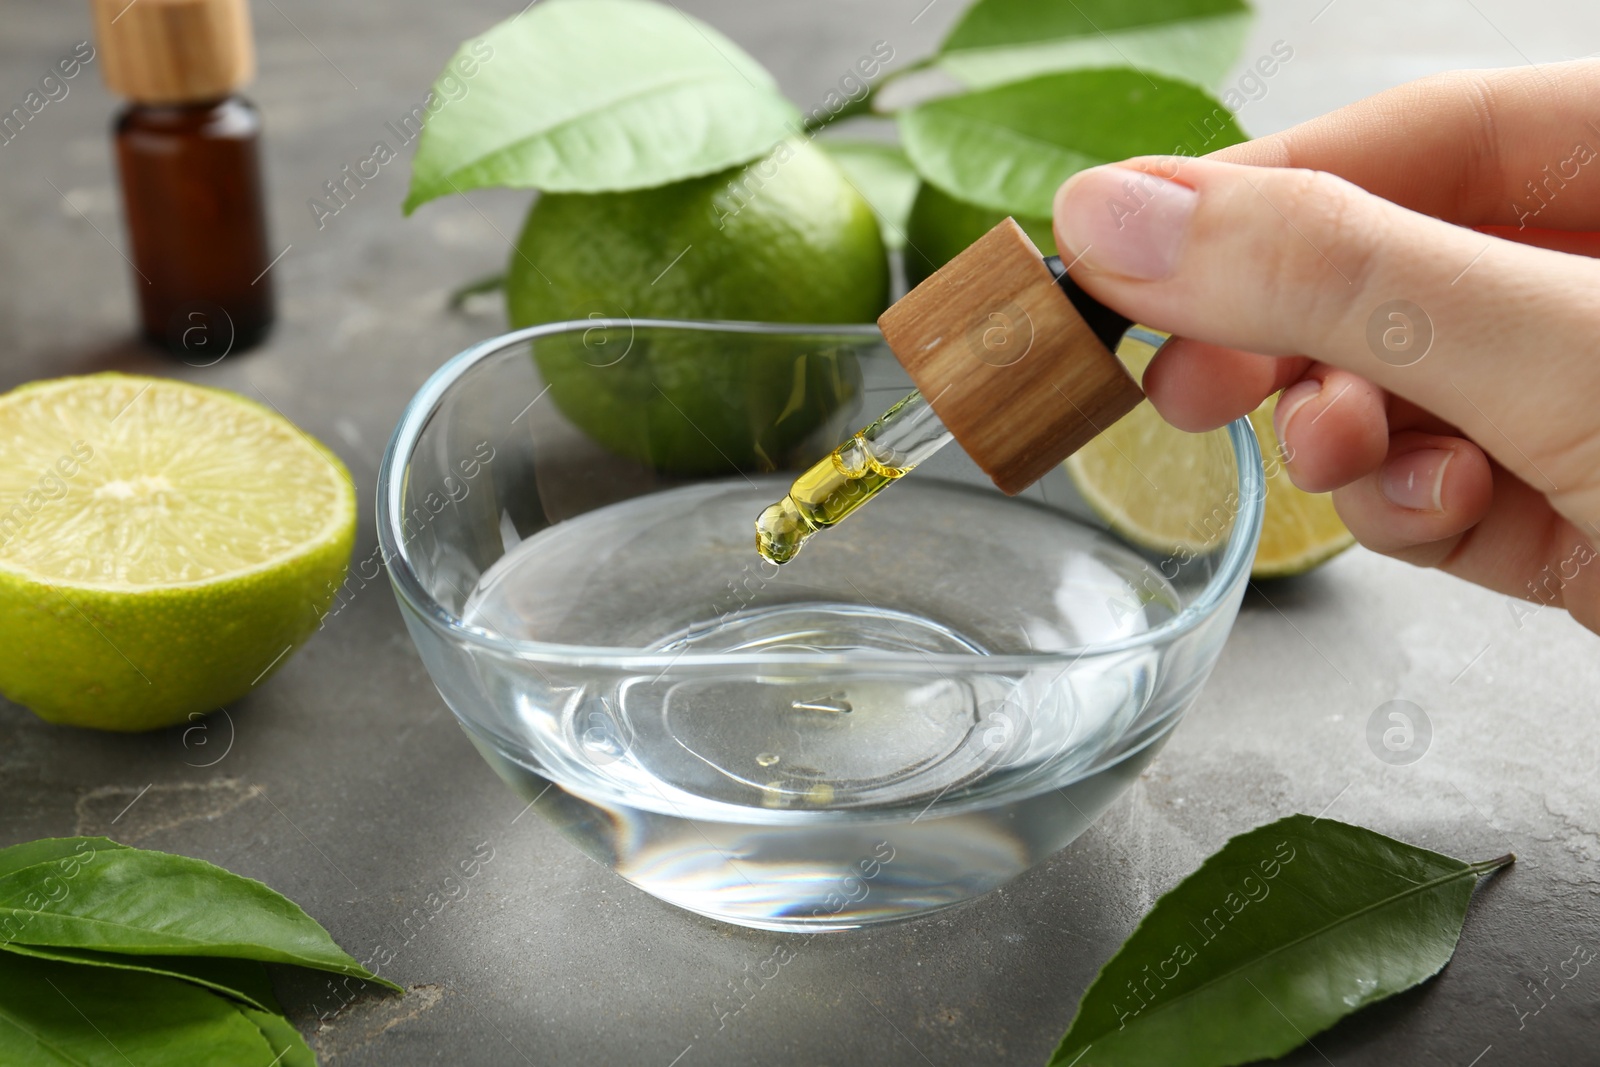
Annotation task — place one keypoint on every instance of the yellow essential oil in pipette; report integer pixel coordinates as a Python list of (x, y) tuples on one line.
[(844, 480), (848, 477)]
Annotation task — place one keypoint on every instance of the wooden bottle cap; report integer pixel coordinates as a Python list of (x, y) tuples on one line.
[(1006, 361), (174, 51)]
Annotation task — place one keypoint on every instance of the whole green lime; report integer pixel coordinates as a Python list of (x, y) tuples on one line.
[(785, 239), (941, 226)]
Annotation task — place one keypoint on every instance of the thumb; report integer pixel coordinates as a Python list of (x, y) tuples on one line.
[(1485, 333)]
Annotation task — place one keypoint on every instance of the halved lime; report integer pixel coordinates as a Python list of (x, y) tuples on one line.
[(163, 547), (1156, 486)]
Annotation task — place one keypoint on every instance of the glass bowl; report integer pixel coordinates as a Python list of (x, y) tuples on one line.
[(936, 695)]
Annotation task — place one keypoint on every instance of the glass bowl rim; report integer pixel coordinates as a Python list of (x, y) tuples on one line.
[(1237, 556)]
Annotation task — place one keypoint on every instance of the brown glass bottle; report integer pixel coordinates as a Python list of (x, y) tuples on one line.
[(191, 183), (188, 152)]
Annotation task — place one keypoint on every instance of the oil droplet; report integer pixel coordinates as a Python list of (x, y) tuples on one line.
[(767, 759), (781, 531), (820, 794)]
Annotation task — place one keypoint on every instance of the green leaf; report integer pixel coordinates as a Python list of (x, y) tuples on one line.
[(288, 1046), (62, 850), (883, 176), (999, 41), (596, 96), (1283, 932), (243, 980), (1009, 148), (55, 1014), (90, 893)]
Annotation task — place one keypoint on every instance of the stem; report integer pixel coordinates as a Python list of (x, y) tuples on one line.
[(849, 111), (922, 64), (489, 283), (1481, 869), (864, 105)]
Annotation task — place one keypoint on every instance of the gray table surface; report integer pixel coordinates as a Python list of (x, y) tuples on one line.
[(345, 783)]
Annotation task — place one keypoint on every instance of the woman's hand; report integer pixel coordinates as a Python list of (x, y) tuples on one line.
[(1412, 271)]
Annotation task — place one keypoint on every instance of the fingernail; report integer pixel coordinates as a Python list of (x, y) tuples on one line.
[(1416, 479), (1293, 399), (1123, 221)]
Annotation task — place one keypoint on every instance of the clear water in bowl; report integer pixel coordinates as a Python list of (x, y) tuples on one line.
[(795, 798)]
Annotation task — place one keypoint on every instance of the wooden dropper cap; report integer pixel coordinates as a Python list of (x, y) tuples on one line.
[(996, 345), (174, 51)]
